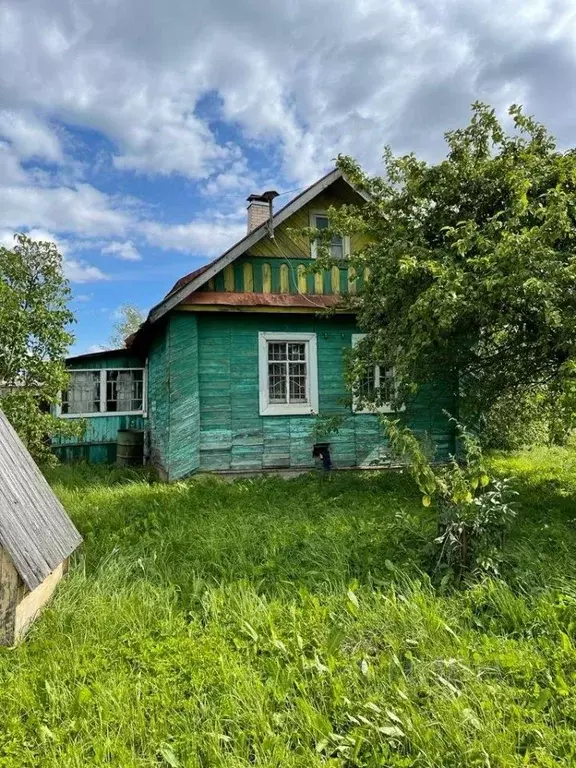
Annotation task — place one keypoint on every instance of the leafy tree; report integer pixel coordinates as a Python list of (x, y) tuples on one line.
[(131, 318), (34, 339), (473, 265)]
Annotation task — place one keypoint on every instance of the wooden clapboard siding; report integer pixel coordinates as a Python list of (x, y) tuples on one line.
[(113, 361), (9, 594), (183, 395), (283, 264), (159, 399), (98, 443), (288, 238), (289, 275), (173, 406), (232, 434)]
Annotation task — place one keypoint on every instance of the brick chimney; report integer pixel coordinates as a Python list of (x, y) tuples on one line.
[(260, 209)]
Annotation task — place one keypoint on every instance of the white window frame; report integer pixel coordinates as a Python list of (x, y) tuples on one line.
[(103, 411), (314, 243), (288, 409), (385, 407)]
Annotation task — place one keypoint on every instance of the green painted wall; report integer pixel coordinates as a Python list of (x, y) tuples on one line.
[(113, 361), (159, 399), (233, 436), (98, 444), (288, 275), (203, 401), (184, 430), (173, 405)]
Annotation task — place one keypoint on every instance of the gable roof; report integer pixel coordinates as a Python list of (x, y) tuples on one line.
[(186, 285), (34, 527)]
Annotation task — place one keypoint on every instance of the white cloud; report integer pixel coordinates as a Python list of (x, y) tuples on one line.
[(10, 169), (125, 251), (29, 136), (82, 210), (367, 72), (76, 270), (197, 88), (81, 272), (95, 348), (203, 236)]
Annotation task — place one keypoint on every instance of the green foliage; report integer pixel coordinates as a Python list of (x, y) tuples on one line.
[(326, 425), (517, 421), (34, 339), (130, 319), (287, 624), (472, 264), (474, 510)]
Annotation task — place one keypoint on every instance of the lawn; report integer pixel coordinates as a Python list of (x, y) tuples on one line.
[(289, 623)]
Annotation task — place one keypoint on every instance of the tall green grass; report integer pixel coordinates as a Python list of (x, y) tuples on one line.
[(289, 623)]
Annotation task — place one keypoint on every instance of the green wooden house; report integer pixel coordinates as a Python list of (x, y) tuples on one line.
[(236, 368)]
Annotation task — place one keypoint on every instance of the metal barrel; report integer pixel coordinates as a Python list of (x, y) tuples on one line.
[(130, 447)]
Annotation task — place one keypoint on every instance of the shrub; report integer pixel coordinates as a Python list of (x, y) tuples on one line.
[(474, 509)]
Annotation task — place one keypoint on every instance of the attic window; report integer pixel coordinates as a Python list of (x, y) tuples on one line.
[(339, 247), (98, 392)]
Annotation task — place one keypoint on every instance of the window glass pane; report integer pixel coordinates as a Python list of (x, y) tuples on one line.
[(296, 351), (387, 386), (277, 382), (124, 391), (111, 391), (83, 394), (337, 242), (287, 372), (277, 351), (137, 390), (337, 248), (298, 382), (367, 385)]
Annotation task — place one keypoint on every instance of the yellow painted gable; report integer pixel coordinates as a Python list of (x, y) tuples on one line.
[(288, 239)]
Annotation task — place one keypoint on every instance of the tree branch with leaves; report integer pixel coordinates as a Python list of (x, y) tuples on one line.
[(35, 335), (472, 265)]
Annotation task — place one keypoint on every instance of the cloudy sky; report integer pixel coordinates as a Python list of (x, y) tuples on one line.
[(131, 132)]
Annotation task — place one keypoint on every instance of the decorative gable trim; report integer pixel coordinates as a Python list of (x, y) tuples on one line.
[(211, 270)]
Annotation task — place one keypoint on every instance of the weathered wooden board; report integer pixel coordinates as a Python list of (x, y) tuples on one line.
[(8, 598), (233, 435), (33, 602), (34, 527)]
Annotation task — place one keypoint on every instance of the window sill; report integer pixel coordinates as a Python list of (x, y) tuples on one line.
[(382, 410), (288, 410), (98, 414)]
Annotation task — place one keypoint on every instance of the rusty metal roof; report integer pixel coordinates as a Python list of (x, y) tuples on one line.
[(224, 298)]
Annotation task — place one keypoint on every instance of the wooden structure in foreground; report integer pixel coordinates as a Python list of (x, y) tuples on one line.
[(36, 537)]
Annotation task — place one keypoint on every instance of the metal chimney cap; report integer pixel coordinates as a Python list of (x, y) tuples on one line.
[(267, 197)]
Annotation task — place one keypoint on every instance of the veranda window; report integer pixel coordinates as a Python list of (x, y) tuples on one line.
[(288, 376), (97, 392)]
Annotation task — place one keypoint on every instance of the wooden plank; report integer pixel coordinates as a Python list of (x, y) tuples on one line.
[(34, 527), (248, 271), (266, 278), (30, 606), (8, 598)]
